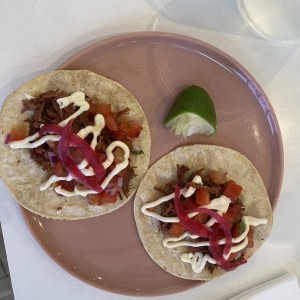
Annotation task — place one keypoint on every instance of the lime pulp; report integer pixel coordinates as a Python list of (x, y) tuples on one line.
[(193, 112)]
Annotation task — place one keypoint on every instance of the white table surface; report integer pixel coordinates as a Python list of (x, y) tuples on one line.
[(37, 36)]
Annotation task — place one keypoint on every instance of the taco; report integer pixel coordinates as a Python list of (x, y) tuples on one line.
[(73, 144), (202, 210)]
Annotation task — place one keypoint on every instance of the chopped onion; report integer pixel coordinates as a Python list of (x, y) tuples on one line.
[(51, 128), (7, 139), (53, 158)]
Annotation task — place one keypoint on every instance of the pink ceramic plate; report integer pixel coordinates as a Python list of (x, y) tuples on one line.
[(106, 251)]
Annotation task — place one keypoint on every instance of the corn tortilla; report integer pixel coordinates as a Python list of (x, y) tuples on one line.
[(254, 197), (23, 175)]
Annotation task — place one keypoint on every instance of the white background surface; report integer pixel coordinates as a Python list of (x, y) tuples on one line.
[(36, 36)]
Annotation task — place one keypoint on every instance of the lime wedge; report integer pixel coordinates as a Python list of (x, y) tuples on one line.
[(193, 112)]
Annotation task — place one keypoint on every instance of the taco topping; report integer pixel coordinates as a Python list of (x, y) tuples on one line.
[(203, 213), (94, 161)]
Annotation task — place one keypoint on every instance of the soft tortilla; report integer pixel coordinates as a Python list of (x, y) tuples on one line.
[(238, 168), (23, 176)]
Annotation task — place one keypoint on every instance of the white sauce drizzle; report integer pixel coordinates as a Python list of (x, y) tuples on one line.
[(78, 99), (27, 142), (110, 158), (220, 204), (198, 260)]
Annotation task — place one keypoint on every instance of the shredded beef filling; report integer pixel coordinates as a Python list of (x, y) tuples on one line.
[(46, 111), (184, 176)]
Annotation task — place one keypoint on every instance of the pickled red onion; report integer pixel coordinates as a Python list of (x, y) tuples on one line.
[(190, 225), (201, 230), (69, 139), (217, 254), (51, 128)]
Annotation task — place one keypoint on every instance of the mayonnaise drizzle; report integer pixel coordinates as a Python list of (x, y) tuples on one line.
[(198, 260), (28, 141), (110, 158), (221, 204), (173, 242), (78, 99), (33, 141)]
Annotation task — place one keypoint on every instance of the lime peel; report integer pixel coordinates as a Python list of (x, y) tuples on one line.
[(193, 112)]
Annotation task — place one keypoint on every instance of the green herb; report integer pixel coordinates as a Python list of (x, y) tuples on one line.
[(242, 227), (138, 152)]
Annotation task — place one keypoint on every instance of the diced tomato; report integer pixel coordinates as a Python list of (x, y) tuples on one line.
[(106, 198), (201, 218), (188, 203), (232, 191), (106, 111), (66, 185), (128, 129), (228, 219), (102, 198), (59, 170), (218, 230), (18, 133), (217, 177), (237, 229), (236, 211), (101, 108), (202, 196), (111, 123), (176, 229)]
